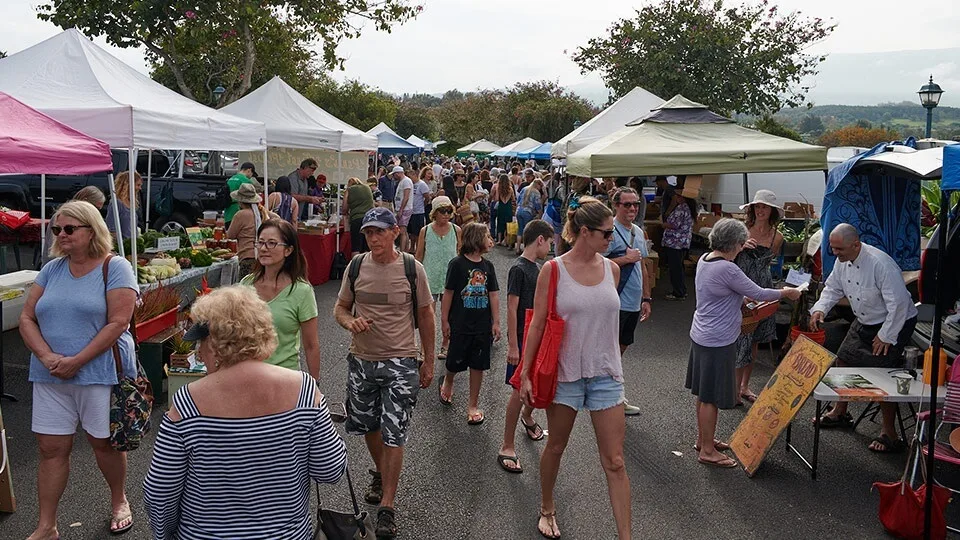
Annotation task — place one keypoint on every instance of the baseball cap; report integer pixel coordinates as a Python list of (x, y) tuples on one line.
[(248, 165), (396, 169), (380, 218)]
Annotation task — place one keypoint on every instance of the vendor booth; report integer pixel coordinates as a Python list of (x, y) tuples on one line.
[(297, 128), (421, 144), (539, 153), (390, 144), (635, 104), (511, 150), (481, 147)]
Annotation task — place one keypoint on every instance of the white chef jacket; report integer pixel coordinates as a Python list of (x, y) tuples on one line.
[(875, 289)]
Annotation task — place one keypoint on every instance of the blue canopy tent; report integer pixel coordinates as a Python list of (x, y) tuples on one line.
[(389, 144), (540, 152), (878, 192)]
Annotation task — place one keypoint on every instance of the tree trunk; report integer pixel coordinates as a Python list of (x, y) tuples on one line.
[(249, 59), (177, 73)]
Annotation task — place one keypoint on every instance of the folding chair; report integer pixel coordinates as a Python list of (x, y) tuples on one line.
[(949, 417)]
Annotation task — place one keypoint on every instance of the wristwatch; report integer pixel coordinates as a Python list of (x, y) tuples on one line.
[(648, 300)]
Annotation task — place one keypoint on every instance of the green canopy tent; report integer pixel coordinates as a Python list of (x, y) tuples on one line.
[(684, 137)]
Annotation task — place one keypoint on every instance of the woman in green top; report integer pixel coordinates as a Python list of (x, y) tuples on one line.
[(438, 244), (280, 281), (357, 200)]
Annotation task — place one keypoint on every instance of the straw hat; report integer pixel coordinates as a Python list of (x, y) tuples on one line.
[(441, 201), (247, 193), (767, 197)]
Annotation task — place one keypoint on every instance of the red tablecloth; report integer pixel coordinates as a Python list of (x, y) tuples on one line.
[(28, 233), (319, 249)]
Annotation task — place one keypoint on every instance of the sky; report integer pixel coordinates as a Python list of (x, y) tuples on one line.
[(471, 44)]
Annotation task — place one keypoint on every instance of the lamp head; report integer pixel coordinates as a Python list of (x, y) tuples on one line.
[(930, 94)]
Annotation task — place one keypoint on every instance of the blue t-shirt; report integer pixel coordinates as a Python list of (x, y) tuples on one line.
[(72, 311), (632, 296)]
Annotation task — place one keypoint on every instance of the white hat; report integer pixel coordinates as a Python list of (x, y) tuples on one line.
[(396, 170), (764, 196)]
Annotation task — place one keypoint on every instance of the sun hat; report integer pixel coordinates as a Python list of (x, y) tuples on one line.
[(396, 169), (441, 201), (246, 193), (767, 197), (380, 218)]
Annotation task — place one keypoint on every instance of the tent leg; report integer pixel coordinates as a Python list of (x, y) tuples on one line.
[(116, 214), (339, 213), (132, 163), (746, 189), (146, 210), (266, 178), (43, 212), (183, 154)]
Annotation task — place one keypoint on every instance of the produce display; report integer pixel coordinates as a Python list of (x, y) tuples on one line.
[(156, 302), (165, 265)]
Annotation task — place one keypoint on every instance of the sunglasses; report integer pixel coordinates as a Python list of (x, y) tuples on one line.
[(447, 211), (269, 244), (69, 229), (607, 233), (630, 204)]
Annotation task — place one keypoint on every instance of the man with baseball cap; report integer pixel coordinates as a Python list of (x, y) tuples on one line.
[(246, 175), (382, 304)]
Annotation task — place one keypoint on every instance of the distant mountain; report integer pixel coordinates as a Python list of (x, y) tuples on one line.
[(858, 78)]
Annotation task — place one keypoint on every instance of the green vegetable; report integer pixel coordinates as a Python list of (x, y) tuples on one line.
[(201, 258), (207, 232)]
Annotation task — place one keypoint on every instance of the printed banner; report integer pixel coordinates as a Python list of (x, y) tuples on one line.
[(785, 393), (283, 161)]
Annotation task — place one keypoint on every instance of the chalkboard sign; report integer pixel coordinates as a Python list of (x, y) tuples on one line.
[(785, 393)]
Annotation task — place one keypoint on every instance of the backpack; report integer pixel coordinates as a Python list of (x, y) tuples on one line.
[(223, 199), (409, 270)]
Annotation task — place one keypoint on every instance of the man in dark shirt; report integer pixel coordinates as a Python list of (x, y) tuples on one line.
[(299, 186), (388, 186)]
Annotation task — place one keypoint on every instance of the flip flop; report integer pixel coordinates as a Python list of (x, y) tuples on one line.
[(502, 459), (532, 430), (448, 402), (889, 446), (116, 519), (720, 446), (827, 422), (476, 419), (751, 397), (726, 463), (548, 515)]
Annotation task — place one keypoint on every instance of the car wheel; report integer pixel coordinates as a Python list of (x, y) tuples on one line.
[(176, 223)]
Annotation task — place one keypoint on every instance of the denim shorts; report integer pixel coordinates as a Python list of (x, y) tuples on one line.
[(591, 393)]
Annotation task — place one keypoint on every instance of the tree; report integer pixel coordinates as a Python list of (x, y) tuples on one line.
[(768, 124), (544, 110), (857, 136), (812, 125), (415, 120), (353, 102), (746, 59), (164, 27), (474, 116)]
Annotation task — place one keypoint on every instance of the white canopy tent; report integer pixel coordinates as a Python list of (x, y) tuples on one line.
[(515, 148), (482, 146), (423, 145), (380, 128), (635, 104), (71, 79)]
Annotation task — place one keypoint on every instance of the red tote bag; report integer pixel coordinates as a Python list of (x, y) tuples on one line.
[(543, 373)]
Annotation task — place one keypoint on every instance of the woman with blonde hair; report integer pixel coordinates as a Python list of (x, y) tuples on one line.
[(590, 374), (121, 186), (90, 194), (246, 425), (78, 308)]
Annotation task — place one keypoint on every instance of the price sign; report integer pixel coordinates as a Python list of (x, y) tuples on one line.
[(785, 393), (196, 237), (168, 243)]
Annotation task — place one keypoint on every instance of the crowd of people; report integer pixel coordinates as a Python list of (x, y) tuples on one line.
[(419, 235)]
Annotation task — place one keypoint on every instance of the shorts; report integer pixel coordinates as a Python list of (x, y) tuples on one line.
[(417, 221), (857, 347), (381, 397), (58, 407), (628, 326), (404, 218), (469, 351), (358, 242), (591, 393)]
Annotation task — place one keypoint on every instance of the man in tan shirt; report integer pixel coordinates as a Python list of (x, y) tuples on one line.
[(384, 377)]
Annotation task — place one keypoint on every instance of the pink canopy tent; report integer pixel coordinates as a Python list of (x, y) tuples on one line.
[(33, 143)]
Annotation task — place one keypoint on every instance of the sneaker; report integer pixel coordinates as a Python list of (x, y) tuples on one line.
[(386, 523), (375, 491), (674, 297), (630, 410)]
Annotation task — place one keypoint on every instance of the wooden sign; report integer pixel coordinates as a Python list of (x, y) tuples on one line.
[(8, 503), (785, 393)]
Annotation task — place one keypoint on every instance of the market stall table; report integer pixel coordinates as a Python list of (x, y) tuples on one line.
[(319, 250), (878, 386), (28, 233), (189, 281)]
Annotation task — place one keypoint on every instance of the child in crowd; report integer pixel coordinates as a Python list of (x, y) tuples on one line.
[(470, 315), (521, 286)]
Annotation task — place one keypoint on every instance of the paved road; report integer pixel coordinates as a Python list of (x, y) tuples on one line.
[(452, 487)]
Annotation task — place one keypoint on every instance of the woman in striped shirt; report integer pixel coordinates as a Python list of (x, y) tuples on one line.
[(236, 452)]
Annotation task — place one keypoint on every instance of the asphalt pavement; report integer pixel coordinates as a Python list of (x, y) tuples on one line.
[(453, 488)]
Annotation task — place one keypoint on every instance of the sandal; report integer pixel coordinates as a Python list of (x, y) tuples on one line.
[(889, 446), (550, 516), (718, 444), (502, 459), (120, 517), (386, 523), (535, 432), (749, 396), (442, 355), (444, 401), (828, 422), (725, 463), (475, 419)]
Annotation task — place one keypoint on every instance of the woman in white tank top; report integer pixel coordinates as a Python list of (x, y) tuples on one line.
[(590, 374)]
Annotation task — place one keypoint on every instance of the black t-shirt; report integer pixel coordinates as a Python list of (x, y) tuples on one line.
[(471, 284), (522, 282)]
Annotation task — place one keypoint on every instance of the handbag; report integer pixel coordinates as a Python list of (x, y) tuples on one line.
[(464, 214), (901, 506), (544, 372), (339, 265), (131, 400), (340, 525), (626, 270)]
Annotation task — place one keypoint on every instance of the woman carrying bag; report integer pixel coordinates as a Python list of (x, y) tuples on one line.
[(589, 372)]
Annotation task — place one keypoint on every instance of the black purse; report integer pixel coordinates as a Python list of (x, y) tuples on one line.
[(339, 265), (343, 526)]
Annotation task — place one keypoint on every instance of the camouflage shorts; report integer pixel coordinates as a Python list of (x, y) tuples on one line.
[(381, 396)]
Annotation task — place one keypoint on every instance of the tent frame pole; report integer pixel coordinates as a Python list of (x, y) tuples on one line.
[(116, 213), (43, 213), (146, 209), (132, 187), (746, 189), (266, 179)]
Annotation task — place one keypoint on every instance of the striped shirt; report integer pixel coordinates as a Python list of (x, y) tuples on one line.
[(241, 477)]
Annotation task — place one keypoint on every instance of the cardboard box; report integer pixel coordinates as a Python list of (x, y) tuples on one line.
[(706, 221), (691, 187), (798, 210)]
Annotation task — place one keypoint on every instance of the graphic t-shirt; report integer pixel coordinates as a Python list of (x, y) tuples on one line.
[(420, 190), (404, 185), (522, 283), (471, 283)]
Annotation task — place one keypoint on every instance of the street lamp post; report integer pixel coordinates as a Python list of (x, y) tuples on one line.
[(218, 93), (576, 123), (930, 97)]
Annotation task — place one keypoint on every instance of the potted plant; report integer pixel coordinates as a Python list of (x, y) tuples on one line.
[(155, 312), (181, 352)]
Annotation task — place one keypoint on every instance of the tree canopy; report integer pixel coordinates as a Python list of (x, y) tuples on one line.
[(857, 136), (353, 102), (747, 59), (196, 41)]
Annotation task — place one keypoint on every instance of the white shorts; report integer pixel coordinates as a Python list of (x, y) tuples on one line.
[(58, 407)]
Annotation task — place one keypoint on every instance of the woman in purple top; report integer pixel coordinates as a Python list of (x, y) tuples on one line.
[(677, 234), (711, 374)]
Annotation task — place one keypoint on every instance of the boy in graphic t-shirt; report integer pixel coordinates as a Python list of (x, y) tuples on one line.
[(470, 316)]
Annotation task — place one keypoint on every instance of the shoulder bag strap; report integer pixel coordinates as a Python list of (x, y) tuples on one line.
[(552, 291), (116, 347)]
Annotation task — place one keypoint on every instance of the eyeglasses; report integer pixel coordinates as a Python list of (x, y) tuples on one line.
[(607, 233), (269, 244), (69, 229), (630, 204)]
